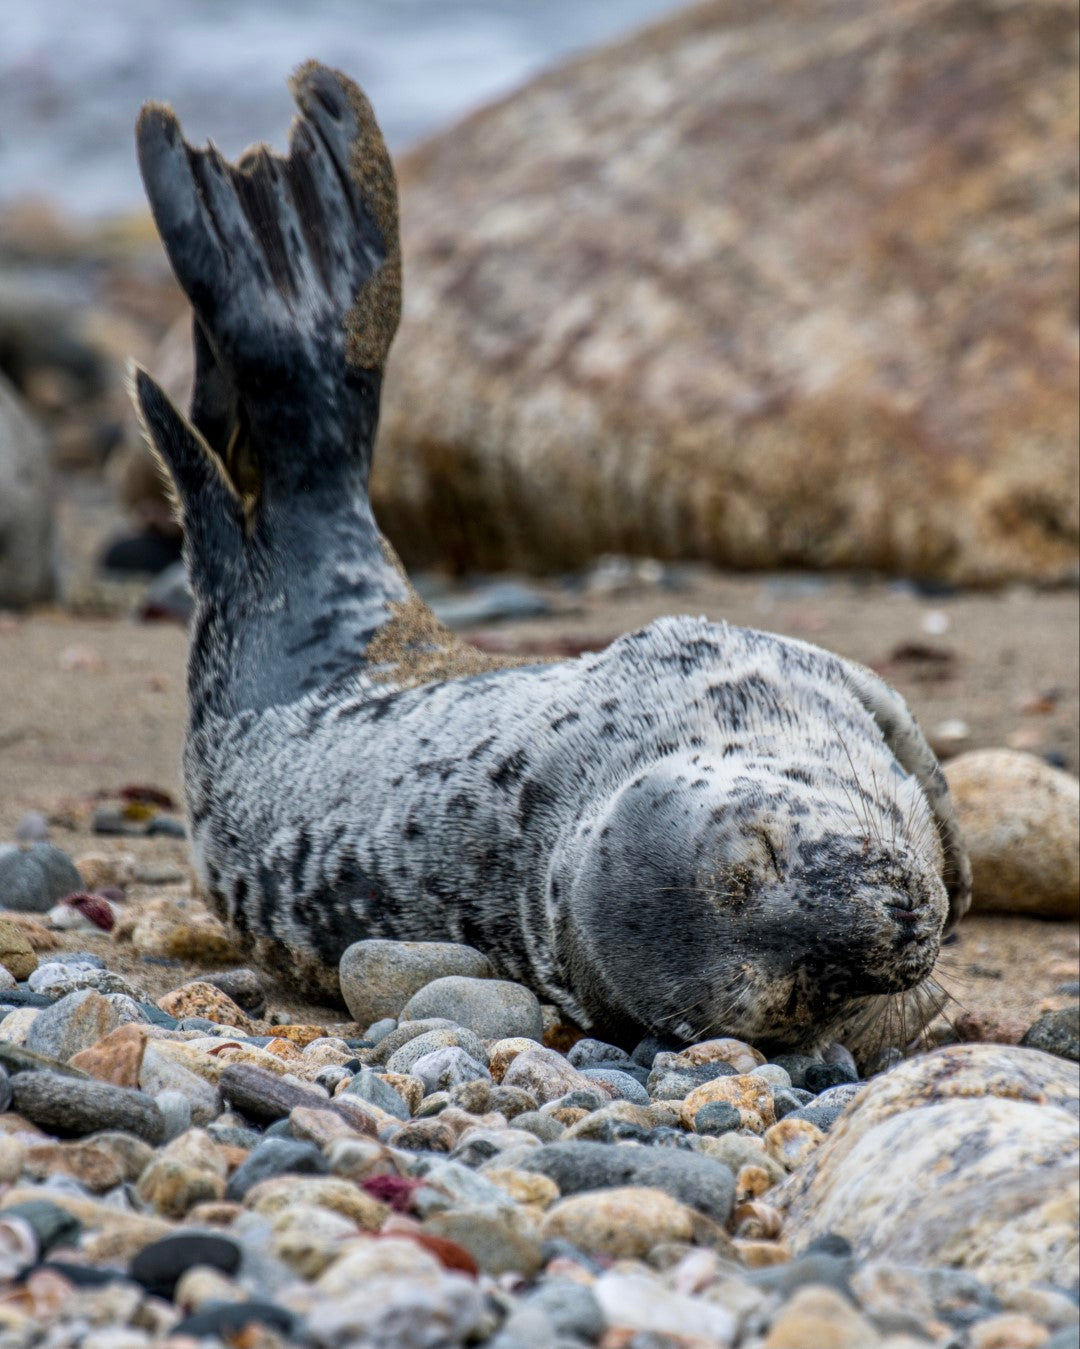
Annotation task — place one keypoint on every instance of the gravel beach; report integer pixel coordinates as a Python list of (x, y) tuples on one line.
[(191, 1154)]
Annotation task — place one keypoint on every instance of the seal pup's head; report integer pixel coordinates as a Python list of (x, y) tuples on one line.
[(758, 898)]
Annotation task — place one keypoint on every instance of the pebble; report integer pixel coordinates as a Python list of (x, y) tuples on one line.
[(742, 1057), (717, 1117), (94, 1167), (588, 1053), (72, 1107), (74, 1022), (494, 1008), (496, 1237), (444, 1069), (159, 1266), (275, 1157), (696, 1180), (368, 1086), (16, 954), (622, 1223), (32, 828), (642, 1303), (199, 998), (379, 1030), (33, 879), (379, 977), (161, 1076), (819, 1077), (790, 1141), (55, 979), (821, 1317), (751, 1095), (403, 1059), (543, 1073), (265, 1096), (1056, 1033), (243, 986), (626, 1088)]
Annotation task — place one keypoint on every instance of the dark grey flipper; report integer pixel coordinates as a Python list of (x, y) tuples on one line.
[(292, 268)]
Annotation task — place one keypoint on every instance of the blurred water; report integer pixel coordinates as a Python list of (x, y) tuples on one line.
[(73, 72)]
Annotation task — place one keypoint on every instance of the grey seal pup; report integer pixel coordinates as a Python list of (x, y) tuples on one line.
[(701, 829)]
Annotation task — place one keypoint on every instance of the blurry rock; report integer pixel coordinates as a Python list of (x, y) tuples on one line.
[(33, 879), (16, 954), (1056, 1033), (152, 551), (713, 291), (168, 596), (491, 602), (27, 561), (994, 1126), (1020, 819)]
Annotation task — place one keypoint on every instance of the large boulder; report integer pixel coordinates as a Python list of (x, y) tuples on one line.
[(966, 1158), (27, 559), (1020, 821), (762, 285)]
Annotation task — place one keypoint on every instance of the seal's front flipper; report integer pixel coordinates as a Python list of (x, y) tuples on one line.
[(293, 271)]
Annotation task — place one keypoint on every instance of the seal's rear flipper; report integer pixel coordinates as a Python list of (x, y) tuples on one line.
[(293, 271)]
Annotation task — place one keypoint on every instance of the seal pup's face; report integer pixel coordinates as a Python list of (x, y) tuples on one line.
[(759, 905)]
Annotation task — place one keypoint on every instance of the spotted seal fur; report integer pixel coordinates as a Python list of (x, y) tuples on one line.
[(701, 828)]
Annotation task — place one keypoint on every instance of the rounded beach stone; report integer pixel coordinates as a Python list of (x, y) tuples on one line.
[(243, 986), (822, 1317), (275, 1157), (495, 1009), (369, 1086), (403, 1060), (158, 1266), (625, 1087), (716, 1118), (690, 1177), (498, 1238), (379, 977), (16, 954), (445, 1069), (1020, 820), (743, 1058), (33, 879), (671, 1082), (73, 1023), (544, 1074), (996, 1128), (1056, 1033), (587, 1053), (751, 1095), (72, 1107), (199, 998), (791, 1141), (622, 1223)]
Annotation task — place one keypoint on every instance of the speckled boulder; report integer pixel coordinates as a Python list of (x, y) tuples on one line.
[(809, 271), (1020, 819), (994, 1126)]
